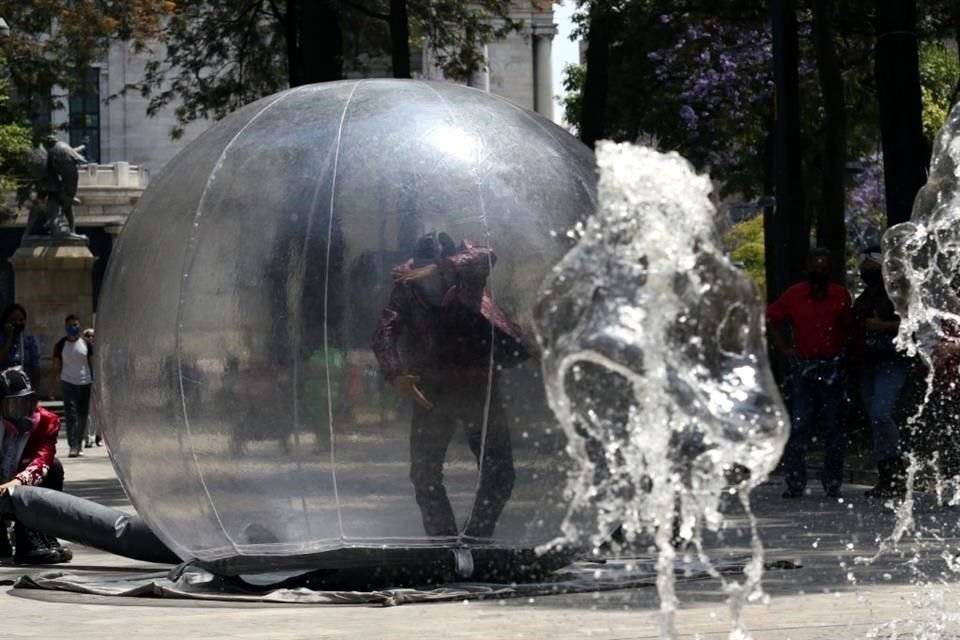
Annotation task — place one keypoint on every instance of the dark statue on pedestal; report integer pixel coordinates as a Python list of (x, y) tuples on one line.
[(54, 169)]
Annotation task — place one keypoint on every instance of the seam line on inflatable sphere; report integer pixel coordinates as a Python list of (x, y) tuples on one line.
[(188, 264), (526, 113), (326, 294)]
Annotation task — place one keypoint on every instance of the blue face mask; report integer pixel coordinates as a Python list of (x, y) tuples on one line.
[(73, 331)]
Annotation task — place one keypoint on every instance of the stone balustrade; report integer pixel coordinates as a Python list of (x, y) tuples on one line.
[(117, 174)]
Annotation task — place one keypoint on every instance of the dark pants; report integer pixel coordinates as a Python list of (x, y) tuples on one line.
[(460, 401), (880, 387), (810, 398), (76, 409), (937, 433)]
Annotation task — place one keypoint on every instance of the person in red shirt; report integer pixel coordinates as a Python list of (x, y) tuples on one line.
[(819, 313), (28, 446)]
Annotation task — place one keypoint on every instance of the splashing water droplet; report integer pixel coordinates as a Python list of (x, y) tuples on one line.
[(655, 364), (921, 268)]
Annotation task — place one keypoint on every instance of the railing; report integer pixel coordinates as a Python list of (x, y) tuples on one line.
[(117, 174)]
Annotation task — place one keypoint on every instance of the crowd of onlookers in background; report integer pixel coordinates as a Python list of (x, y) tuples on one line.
[(841, 353)]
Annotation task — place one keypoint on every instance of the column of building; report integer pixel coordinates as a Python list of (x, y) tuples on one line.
[(544, 31)]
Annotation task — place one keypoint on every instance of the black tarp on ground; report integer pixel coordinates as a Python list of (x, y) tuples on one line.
[(193, 583)]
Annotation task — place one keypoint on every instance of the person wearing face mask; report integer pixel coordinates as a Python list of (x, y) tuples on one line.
[(73, 363), (881, 371), (28, 447), (17, 349), (818, 312)]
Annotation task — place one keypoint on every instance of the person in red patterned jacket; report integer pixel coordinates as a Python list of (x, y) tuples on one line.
[(28, 457), (441, 341)]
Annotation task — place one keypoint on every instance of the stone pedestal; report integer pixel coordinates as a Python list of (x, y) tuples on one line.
[(53, 281)]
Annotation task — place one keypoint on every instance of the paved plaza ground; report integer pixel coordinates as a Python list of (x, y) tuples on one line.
[(829, 597)]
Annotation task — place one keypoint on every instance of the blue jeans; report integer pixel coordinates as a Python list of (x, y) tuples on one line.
[(880, 387), (810, 397)]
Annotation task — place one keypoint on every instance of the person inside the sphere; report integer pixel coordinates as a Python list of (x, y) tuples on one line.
[(28, 457), (441, 342)]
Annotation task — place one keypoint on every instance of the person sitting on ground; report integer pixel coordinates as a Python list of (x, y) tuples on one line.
[(28, 447)]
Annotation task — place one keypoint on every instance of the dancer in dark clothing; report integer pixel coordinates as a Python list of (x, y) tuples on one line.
[(455, 339)]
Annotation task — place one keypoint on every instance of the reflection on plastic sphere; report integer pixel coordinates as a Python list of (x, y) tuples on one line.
[(315, 333)]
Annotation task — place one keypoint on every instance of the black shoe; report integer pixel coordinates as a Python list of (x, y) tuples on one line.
[(32, 547), (66, 555), (831, 492), (99, 441), (891, 481), (6, 550), (792, 492)]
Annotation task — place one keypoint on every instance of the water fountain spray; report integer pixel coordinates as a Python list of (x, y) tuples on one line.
[(656, 366)]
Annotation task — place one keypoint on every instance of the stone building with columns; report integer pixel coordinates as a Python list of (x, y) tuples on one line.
[(125, 146), (116, 132), (518, 68)]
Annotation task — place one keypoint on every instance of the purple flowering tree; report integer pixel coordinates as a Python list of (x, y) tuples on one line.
[(722, 76), (866, 204)]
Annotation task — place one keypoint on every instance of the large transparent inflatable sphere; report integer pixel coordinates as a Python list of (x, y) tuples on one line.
[(316, 330)]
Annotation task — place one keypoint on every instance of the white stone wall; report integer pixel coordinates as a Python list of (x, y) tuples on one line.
[(127, 134), (511, 69)]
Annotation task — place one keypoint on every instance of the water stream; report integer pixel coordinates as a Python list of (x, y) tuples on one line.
[(922, 274), (656, 366)]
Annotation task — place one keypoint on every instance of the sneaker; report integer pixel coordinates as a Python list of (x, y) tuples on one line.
[(79, 452), (73, 453), (32, 547), (88, 443), (99, 441), (66, 555)]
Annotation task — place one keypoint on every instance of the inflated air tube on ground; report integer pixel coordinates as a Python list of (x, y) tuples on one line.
[(88, 523)]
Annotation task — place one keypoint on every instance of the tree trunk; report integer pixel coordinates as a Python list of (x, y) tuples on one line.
[(831, 221), (769, 228), (593, 104), (791, 231), (905, 151), (399, 38), (955, 18), (314, 42)]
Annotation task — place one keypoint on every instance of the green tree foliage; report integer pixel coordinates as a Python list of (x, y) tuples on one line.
[(744, 241), (14, 144), (221, 55), (697, 75), (939, 73), (53, 42), (572, 98)]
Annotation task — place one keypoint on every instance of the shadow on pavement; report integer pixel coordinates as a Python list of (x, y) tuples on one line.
[(105, 491)]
